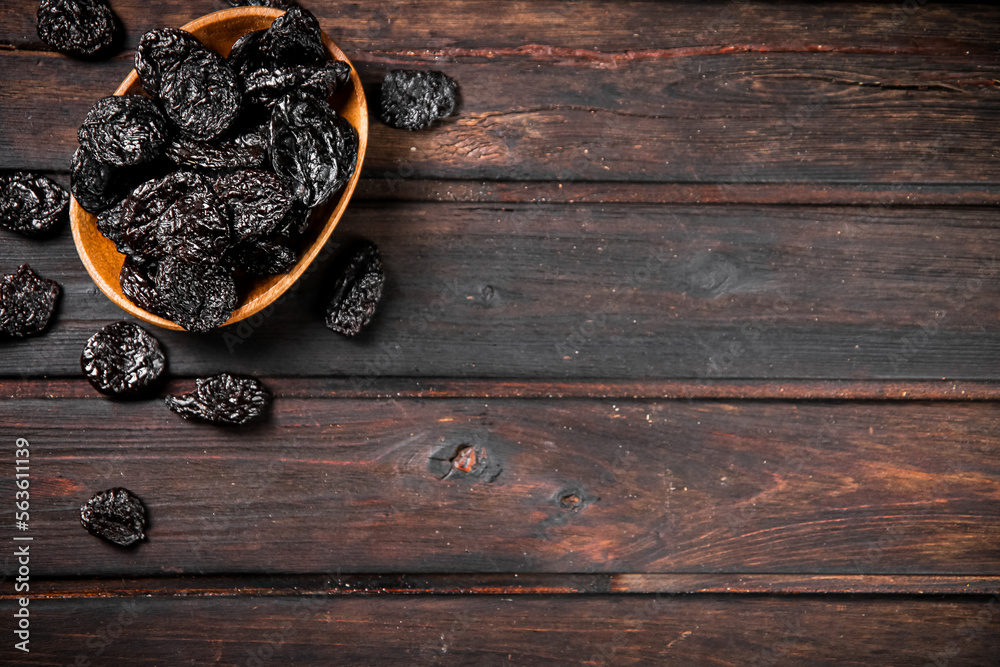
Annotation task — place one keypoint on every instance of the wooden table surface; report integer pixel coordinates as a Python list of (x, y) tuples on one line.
[(709, 289)]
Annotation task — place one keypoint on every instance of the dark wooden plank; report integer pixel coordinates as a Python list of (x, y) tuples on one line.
[(734, 117), (618, 26), (619, 292), (492, 630), (570, 485)]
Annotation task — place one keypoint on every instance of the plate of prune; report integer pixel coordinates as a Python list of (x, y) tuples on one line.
[(206, 184)]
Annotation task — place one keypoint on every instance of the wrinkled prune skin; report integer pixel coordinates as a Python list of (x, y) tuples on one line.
[(123, 131), (200, 94), (31, 204), (116, 515), (82, 28), (257, 201), (357, 289), (95, 185), (122, 360), (308, 144), (267, 86), (249, 54), (199, 297), (109, 224), (187, 153), (224, 399), (159, 49), (27, 302), (263, 258), (294, 225), (195, 228), (141, 211), (137, 285), (412, 100), (295, 38)]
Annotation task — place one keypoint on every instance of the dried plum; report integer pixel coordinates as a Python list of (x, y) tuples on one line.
[(267, 86), (137, 285), (223, 399), (293, 225), (216, 156), (308, 147), (116, 515), (357, 289), (31, 204), (295, 38), (159, 49), (95, 185), (257, 201), (124, 130), (199, 297), (200, 94), (81, 28), (263, 258), (122, 359), (249, 54), (27, 302), (412, 100), (195, 228)]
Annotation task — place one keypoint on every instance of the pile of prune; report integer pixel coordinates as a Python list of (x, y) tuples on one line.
[(82, 28), (27, 302), (224, 399), (31, 204), (116, 515), (209, 180), (412, 100), (122, 359)]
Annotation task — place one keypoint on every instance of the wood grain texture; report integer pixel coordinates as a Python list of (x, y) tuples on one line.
[(572, 485), (493, 630), (615, 291)]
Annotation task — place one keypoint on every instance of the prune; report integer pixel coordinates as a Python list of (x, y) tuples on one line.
[(295, 38), (257, 201), (267, 86), (116, 515), (293, 225), (109, 224), (77, 27), (159, 49), (122, 359), (263, 258), (200, 94), (137, 286), (31, 204), (95, 185), (141, 210), (308, 147), (216, 156), (27, 302), (249, 54), (412, 100), (357, 289), (199, 297), (123, 131), (224, 399)]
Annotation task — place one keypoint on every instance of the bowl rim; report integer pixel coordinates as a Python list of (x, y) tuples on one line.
[(284, 281)]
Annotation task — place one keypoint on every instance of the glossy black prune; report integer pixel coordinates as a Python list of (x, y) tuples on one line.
[(263, 258), (83, 28), (31, 204), (309, 147), (116, 515), (124, 130), (257, 201), (293, 225), (200, 94), (249, 54), (267, 86), (215, 156), (224, 399), (137, 285), (357, 289), (159, 49), (199, 297), (96, 186), (27, 302), (412, 100), (295, 38), (122, 359)]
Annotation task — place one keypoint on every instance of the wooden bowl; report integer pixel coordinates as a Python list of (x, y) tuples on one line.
[(219, 31)]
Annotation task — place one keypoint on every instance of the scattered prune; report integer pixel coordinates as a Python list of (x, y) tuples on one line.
[(27, 302), (308, 147), (412, 100), (122, 359), (95, 185), (357, 289), (137, 286), (116, 515), (81, 28), (31, 204), (124, 130), (263, 258), (200, 94), (295, 38), (199, 297), (159, 49), (257, 201), (223, 399), (209, 156)]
